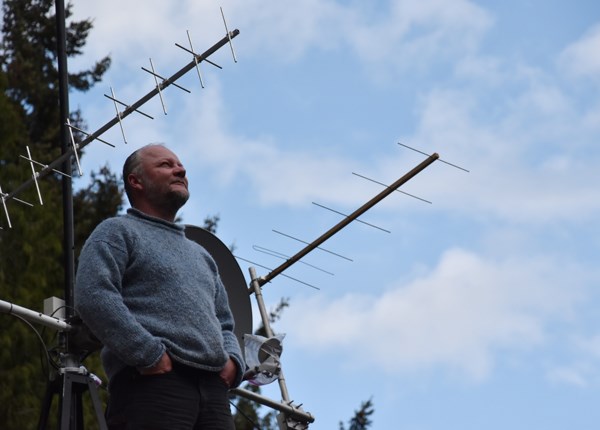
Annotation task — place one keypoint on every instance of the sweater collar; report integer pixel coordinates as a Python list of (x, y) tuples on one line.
[(144, 216)]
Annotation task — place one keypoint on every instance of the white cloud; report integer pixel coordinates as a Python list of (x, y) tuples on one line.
[(457, 317), (569, 375), (481, 69), (414, 32), (404, 34), (132, 32), (590, 345), (285, 31), (584, 368), (401, 35), (581, 58), (523, 149)]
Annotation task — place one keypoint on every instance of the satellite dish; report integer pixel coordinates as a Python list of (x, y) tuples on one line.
[(232, 277)]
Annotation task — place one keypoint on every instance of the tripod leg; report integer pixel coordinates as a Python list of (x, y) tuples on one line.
[(93, 389), (67, 397), (70, 388)]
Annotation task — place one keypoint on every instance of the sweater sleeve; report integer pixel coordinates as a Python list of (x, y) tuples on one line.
[(231, 344), (99, 300)]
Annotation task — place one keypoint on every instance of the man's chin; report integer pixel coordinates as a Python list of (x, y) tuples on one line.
[(179, 198)]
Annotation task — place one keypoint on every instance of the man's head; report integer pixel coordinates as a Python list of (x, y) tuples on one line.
[(155, 181)]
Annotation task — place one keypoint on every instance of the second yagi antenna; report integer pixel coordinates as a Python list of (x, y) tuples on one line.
[(73, 152), (347, 220)]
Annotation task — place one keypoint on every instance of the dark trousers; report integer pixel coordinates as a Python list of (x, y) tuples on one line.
[(183, 399)]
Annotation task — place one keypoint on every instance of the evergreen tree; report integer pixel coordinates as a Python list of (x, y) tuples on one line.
[(103, 198), (211, 223), (361, 419), (31, 255)]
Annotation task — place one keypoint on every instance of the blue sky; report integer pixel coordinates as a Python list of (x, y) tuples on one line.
[(478, 310)]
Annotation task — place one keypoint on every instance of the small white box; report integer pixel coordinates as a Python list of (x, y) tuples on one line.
[(54, 307)]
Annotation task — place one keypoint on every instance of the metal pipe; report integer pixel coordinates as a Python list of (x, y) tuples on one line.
[(33, 316), (292, 411)]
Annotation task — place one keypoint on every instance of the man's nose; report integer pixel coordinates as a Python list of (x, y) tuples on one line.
[(179, 171)]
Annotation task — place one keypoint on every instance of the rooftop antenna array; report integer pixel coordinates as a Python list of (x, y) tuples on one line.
[(263, 353)]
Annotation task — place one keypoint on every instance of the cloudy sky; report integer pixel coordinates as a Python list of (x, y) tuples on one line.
[(479, 308)]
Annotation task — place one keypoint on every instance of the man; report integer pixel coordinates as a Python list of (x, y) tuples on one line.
[(156, 302)]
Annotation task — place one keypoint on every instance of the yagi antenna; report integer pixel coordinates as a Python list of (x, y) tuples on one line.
[(119, 117), (347, 220)]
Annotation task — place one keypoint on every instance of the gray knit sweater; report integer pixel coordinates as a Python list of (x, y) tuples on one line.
[(142, 288)]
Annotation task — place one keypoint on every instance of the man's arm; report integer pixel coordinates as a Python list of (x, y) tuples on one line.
[(235, 367), (99, 302)]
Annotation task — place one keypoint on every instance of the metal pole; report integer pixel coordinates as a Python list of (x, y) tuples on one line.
[(294, 412), (268, 330), (67, 186)]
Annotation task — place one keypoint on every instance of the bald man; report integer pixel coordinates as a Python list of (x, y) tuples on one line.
[(156, 302)]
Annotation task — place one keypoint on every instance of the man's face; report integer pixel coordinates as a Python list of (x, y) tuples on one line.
[(163, 178)]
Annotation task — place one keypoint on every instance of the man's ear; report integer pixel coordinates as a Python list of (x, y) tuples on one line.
[(134, 182)]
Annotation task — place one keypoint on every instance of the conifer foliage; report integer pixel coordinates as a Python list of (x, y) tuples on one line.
[(31, 252), (362, 417)]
